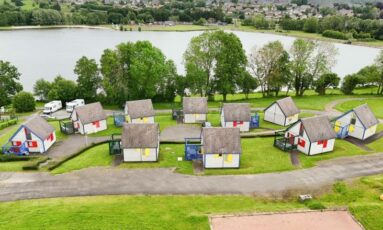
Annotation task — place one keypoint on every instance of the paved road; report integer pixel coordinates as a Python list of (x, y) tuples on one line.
[(108, 180)]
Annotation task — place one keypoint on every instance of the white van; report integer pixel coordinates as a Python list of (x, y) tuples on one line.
[(73, 104), (52, 107)]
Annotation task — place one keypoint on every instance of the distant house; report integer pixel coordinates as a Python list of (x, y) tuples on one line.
[(90, 118), (221, 147), (282, 112), (359, 122), (140, 142), (37, 135), (236, 115), (312, 135), (194, 109), (140, 111)]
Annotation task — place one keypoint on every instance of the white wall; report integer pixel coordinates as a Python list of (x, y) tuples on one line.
[(194, 118), (48, 144), (319, 148), (216, 161), (144, 120), (90, 128), (356, 130), (292, 119), (20, 136), (140, 154), (245, 127), (370, 131), (275, 115)]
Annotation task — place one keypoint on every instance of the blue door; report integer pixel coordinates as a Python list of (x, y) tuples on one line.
[(192, 152), (254, 122), (343, 132)]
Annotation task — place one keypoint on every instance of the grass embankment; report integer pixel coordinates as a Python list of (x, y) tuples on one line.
[(376, 105), (259, 156), (310, 101), (181, 212)]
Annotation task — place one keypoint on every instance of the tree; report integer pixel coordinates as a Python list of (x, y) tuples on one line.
[(88, 80), (41, 89), (137, 71), (349, 83), (309, 61), (24, 102), (9, 84), (311, 25), (378, 78), (264, 64), (62, 89), (214, 62), (247, 83), (230, 63), (326, 80)]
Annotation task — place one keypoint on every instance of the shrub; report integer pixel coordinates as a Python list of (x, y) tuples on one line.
[(335, 34), (34, 165), (24, 102), (349, 83), (315, 205), (9, 158)]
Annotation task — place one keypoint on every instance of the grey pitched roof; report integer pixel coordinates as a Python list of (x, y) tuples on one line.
[(221, 140), (288, 106), (195, 105), (140, 108), (318, 128), (40, 127), (90, 113), (140, 136), (366, 116), (236, 111)]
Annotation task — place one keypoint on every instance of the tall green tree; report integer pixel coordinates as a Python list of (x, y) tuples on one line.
[(230, 63), (62, 89), (378, 78), (309, 60), (24, 102), (88, 78), (41, 89), (349, 83), (9, 82), (247, 83), (137, 71)]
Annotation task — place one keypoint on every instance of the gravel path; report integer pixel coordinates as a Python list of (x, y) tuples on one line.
[(109, 180)]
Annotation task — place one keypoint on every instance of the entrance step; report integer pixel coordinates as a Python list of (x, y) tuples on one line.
[(198, 167)]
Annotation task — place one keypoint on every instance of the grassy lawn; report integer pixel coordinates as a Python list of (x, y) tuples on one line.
[(310, 101), (376, 105), (377, 145), (181, 212), (97, 156), (259, 156)]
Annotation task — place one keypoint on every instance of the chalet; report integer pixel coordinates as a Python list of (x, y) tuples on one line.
[(359, 122), (311, 136), (236, 115), (194, 109), (140, 111), (36, 136), (221, 147), (282, 112), (140, 142), (90, 118)]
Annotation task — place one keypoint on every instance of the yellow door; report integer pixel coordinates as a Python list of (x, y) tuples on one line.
[(229, 158), (145, 120)]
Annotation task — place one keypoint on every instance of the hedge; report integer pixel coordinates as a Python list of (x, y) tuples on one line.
[(9, 158), (7, 123), (335, 34), (34, 165)]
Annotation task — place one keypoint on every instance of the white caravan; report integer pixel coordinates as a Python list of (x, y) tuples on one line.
[(73, 104), (52, 107)]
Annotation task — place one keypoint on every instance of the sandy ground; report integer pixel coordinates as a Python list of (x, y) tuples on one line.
[(339, 220)]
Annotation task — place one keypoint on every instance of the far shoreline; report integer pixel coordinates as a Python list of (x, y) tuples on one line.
[(191, 28)]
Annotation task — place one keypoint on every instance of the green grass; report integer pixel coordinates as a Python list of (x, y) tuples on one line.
[(310, 101), (376, 105), (97, 156), (259, 156), (29, 5), (181, 212), (378, 144)]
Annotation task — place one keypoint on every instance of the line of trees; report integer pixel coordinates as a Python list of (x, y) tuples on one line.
[(93, 13)]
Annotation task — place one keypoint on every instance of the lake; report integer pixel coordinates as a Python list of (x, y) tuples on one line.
[(47, 53)]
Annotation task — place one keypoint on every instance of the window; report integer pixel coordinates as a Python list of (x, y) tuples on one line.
[(32, 144), (301, 142), (353, 121), (301, 129), (96, 123), (28, 134)]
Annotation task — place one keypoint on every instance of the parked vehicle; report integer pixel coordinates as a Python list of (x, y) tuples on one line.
[(52, 107), (73, 104)]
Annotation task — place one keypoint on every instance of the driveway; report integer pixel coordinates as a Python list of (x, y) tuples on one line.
[(178, 133), (108, 181)]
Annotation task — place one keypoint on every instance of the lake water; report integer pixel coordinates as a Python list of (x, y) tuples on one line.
[(47, 53)]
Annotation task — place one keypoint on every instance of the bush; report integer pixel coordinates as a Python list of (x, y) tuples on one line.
[(349, 83), (10, 158), (315, 205), (362, 36), (335, 34), (24, 102), (7, 123)]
